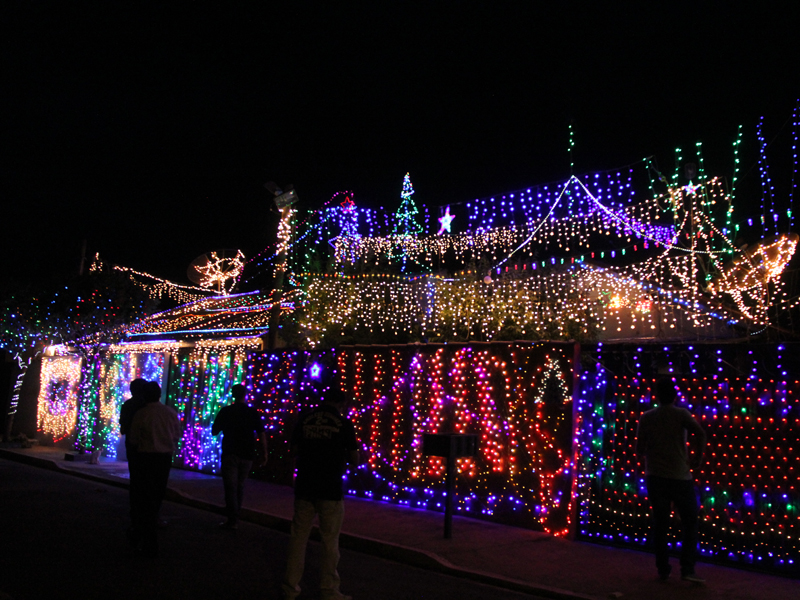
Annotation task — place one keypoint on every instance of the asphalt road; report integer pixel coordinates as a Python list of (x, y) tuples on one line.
[(62, 537)]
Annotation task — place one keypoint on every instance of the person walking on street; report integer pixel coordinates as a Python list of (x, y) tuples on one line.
[(322, 443), (240, 425), (155, 432), (661, 441)]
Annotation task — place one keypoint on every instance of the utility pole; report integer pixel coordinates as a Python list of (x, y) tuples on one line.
[(83, 258), (283, 202)]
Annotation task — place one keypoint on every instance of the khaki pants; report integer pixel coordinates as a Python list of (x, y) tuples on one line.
[(234, 473), (331, 515)]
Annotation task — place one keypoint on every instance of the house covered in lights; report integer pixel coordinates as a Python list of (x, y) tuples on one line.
[(523, 318)]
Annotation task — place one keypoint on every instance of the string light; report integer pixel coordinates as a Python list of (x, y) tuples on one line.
[(155, 287), (406, 222), (58, 396), (221, 272), (516, 399), (586, 258), (748, 481)]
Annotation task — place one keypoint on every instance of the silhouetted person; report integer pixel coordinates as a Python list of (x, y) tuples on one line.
[(126, 414), (662, 442), (322, 443), (154, 434), (240, 426)]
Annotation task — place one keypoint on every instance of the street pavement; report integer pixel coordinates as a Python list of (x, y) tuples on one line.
[(64, 538), (517, 560)]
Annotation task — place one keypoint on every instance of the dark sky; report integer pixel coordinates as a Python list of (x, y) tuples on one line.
[(150, 130)]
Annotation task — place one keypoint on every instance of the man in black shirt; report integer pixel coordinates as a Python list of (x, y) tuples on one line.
[(322, 443), (239, 425)]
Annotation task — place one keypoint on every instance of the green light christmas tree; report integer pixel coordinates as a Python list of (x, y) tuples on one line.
[(406, 223)]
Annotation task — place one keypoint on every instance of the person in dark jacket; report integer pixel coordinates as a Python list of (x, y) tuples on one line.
[(323, 442), (240, 426), (126, 413)]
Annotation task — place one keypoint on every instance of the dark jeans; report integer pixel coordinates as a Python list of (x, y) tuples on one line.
[(234, 473), (662, 492), (133, 488), (152, 472)]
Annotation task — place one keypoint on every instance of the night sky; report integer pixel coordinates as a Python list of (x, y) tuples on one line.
[(150, 131)]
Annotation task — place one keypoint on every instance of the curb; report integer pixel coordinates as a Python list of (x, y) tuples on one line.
[(421, 559)]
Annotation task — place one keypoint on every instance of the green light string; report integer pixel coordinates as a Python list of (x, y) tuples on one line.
[(405, 219), (701, 176), (405, 216), (649, 163), (736, 167), (88, 405), (200, 388), (571, 149), (678, 161), (795, 126)]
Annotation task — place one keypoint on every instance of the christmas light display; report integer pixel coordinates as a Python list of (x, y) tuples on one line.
[(542, 462), (795, 135), (405, 217), (516, 398), (573, 223), (748, 481), (155, 287), (284, 236), (550, 301), (58, 396), (746, 279), (220, 272), (406, 226), (105, 385), (225, 319), (626, 254), (767, 189), (199, 387), (445, 222)]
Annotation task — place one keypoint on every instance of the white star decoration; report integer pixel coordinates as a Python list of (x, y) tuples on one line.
[(691, 188), (445, 221)]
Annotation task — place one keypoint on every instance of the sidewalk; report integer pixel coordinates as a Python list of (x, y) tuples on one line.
[(508, 557)]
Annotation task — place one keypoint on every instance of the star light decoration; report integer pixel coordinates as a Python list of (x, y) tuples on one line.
[(690, 188), (444, 221)]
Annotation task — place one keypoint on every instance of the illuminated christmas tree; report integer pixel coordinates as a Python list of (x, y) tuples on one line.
[(349, 218), (405, 216)]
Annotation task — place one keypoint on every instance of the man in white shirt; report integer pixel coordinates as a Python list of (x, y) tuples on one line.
[(154, 434)]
